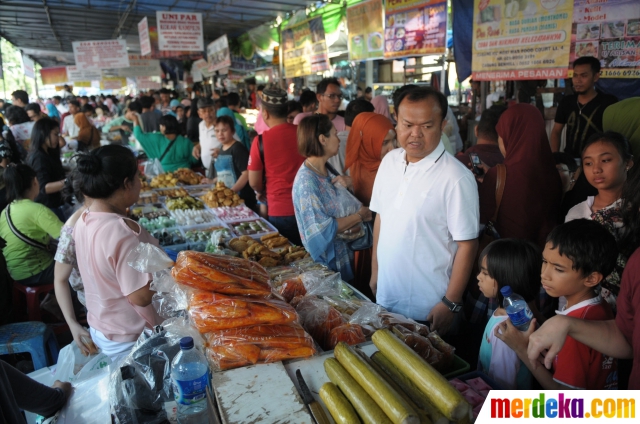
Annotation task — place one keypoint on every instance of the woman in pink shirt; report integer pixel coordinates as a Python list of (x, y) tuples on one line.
[(118, 297)]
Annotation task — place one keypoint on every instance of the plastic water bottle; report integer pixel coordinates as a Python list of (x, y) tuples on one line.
[(517, 309), (189, 377)]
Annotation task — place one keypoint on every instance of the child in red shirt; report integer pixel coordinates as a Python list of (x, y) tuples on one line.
[(577, 257)]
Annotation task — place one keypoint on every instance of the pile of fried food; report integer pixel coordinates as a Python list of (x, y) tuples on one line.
[(231, 304), (187, 176), (164, 180), (221, 196), (261, 251), (173, 192)]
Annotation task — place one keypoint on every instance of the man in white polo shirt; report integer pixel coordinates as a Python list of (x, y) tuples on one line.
[(427, 223), (209, 146)]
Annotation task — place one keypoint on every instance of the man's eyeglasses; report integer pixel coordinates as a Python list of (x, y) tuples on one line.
[(334, 96)]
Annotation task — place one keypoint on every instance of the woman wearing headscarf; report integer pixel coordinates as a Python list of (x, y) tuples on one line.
[(371, 137), (533, 190), (52, 111), (240, 131), (624, 118), (88, 135), (381, 106)]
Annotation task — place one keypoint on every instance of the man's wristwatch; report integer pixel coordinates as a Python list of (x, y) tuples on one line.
[(453, 307)]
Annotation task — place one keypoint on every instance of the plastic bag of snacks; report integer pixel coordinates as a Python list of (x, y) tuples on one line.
[(212, 311), (258, 344), (351, 334), (221, 274), (319, 318)]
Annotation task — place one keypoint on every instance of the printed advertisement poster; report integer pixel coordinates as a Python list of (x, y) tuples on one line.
[(139, 67), (366, 29), (415, 27), (305, 49), (28, 67), (143, 32), (320, 56), (218, 54), (148, 83), (521, 39), (610, 31), (54, 75), (179, 31), (168, 54), (112, 83), (197, 69), (101, 54), (77, 74)]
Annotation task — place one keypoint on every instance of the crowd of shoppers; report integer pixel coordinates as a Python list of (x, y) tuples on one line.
[(568, 222)]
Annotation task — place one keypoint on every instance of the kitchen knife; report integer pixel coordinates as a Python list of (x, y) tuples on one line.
[(314, 406)]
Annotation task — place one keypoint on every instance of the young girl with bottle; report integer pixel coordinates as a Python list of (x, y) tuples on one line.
[(515, 263)]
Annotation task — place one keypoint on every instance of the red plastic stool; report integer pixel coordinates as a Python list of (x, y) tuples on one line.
[(33, 298)]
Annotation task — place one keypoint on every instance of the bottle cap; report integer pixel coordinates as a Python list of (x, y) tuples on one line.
[(186, 343), (506, 291)]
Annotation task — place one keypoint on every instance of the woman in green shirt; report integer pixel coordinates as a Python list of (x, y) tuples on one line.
[(172, 149), (27, 264)]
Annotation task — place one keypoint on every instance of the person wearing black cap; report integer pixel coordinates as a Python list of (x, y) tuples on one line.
[(274, 162)]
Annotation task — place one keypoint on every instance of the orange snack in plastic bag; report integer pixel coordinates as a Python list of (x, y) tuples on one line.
[(238, 347), (319, 318), (291, 288), (213, 312), (221, 274), (351, 334)]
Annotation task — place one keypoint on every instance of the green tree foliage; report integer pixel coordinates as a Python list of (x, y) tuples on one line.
[(14, 78)]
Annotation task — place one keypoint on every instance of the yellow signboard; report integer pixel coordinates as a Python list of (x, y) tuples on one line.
[(521, 39), (366, 28)]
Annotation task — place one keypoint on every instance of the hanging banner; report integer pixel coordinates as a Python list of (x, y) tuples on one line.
[(28, 67), (610, 31), (521, 40), (365, 28), (143, 32), (139, 67), (75, 74), (112, 83), (166, 54), (55, 75), (320, 57), (148, 83), (102, 54), (218, 54), (305, 48), (415, 28), (179, 31)]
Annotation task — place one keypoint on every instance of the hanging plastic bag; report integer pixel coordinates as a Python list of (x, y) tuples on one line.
[(348, 205), (73, 366), (153, 168)]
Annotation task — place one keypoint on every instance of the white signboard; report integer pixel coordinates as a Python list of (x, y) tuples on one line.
[(102, 54), (148, 83), (179, 31), (218, 54), (74, 74), (28, 66), (139, 67), (143, 32), (200, 70)]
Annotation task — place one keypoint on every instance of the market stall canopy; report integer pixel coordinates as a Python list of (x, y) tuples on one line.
[(46, 28)]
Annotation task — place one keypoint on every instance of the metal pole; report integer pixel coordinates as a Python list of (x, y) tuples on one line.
[(4, 82), (283, 79), (443, 78)]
